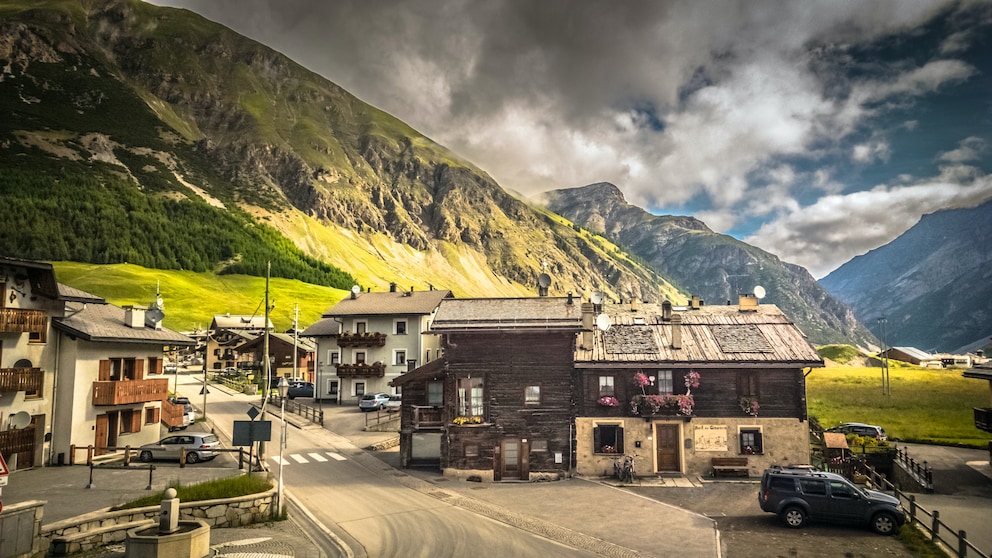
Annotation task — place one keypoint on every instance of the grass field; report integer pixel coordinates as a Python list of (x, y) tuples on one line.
[(925, 405)]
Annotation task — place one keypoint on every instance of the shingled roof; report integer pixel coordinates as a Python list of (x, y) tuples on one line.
[(711, 335), (393, 303), (106, 323), (482, 314)]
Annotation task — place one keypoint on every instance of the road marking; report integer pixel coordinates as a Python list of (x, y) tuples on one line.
[(277, 460), (336, 456), (299, 458), (317, 457)]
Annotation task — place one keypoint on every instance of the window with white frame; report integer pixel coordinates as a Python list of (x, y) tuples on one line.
[(332, 387), (333, 357), (359, 388), (435, 393), (359, 357), (664, 382), (361, 327), (399, 356), (606, 386), (532, 395), (470, 397), (607, 438)]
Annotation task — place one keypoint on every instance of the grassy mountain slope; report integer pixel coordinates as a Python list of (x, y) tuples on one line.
[(708, 264), (229, 141)]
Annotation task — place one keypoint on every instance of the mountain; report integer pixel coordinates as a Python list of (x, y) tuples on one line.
[(933, 284), (148, 135), (712, 265)]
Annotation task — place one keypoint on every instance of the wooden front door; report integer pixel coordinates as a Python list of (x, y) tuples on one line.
[(512, 460), (100, 439), (667, 443)]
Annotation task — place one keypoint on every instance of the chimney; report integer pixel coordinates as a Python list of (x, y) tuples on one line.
[(666, 310), (633, 304), (695, 302), (569, 301), (134, 316), (588, 317), (392, 287), (677, 331), (748, 303)]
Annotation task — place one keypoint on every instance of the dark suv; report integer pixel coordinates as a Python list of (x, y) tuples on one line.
[(799, 494)]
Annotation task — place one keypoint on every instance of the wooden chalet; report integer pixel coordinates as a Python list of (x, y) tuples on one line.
[(498, 404), (690, 390)]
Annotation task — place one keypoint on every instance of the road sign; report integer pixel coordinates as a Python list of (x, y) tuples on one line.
[(4, 471)]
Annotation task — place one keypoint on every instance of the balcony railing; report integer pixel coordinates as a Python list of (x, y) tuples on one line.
[(427, 417), (983, 419), (368, 339), (19, 320), (376, 370), (13, 380), (130, 391)]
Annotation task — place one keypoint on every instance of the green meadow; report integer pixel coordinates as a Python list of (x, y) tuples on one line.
[(925, 405)]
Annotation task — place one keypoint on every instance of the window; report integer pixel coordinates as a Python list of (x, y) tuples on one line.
[(399, 356), (664, 382), (359, 357), (840, 489), (427, 356), (359, 388), (333, 357), (117, 369), (400, 327), (332, 388), (470, 397), (39, 336), (361, 327), (538, 446), (607, 438), (606, 386), (747, 384), (435, 393), (151, 415), (751, 441), (532, 395), (813, 487), (471, 450), (130, 421)]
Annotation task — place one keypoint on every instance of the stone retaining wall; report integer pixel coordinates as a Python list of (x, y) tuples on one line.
[(100, 528)]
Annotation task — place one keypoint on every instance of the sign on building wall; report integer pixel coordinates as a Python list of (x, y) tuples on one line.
[(710, 437)]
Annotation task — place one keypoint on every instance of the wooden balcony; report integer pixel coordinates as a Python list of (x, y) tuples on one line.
[(19, 320), (376, 370), (983, 419), (130, 391), (368, 339), (13, 380), (427, 418), (172, 414)]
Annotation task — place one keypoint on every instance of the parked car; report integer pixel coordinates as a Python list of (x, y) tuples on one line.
[(300, 389), (800, 494), (229, 371), (861, 429), (171, 369), (372, 401), (199, 447), (394, 404)]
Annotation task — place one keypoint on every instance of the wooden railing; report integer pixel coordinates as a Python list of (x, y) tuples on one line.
[(305, 411), (368, 339), (20, 320), (376, 370), (983, 419), (427, 417), (21, 379), (16, 441), (130, 391)]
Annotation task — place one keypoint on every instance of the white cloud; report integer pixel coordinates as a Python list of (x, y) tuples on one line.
[(836, 228), (871, 151), (969, 149)]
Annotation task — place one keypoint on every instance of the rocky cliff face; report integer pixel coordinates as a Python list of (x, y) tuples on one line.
[(715, 266), (933, 284)]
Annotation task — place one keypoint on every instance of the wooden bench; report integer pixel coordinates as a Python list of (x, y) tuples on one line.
[(729, 466)]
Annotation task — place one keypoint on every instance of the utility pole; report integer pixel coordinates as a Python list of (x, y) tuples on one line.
[(265, 355), (296, 325), (886, 384)]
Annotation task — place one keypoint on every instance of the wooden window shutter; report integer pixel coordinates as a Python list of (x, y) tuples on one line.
[(135, 422), (104, 371), (155, 365), (139, 369), (597, 439)]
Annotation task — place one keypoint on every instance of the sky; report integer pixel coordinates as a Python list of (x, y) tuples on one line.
[(815, 130)]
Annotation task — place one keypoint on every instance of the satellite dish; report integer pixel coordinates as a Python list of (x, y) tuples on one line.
[(759, 291), (597, 297), (20, 420), (603, 322), (356, 289), (544, 280)]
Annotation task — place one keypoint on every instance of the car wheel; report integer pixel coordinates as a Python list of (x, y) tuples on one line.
[(794, 517), (192, 457), (884, 523), (145, 456)]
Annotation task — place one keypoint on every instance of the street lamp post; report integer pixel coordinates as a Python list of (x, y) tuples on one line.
[(283, 392)]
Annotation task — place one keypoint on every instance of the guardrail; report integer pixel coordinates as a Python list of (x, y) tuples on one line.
[(956, 543), (306, 411)]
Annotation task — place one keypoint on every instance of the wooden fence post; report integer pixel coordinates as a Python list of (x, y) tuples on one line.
[(934, 531)]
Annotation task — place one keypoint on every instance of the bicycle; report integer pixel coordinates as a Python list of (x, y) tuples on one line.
[(623, 468)]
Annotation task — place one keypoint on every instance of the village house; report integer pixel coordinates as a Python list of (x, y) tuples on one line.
[(498, 405), (228, 332), (282, 347), (540, 387), (369, 338)]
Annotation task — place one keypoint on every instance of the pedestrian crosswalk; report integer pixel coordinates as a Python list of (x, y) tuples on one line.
[(308, 458)]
